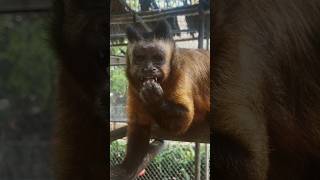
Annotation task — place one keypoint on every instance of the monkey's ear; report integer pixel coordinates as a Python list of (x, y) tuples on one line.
[(163, 30), (133, 35)]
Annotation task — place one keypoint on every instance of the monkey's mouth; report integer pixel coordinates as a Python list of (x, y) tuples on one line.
[(150, 78)]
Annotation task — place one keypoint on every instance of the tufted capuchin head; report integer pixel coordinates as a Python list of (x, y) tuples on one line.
[(149, 55)]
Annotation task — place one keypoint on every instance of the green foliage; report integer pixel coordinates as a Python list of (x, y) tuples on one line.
[(118, 86), (118, 80), (117, 150), (175, 161), (134, 4), (27, 70), (118, 51)]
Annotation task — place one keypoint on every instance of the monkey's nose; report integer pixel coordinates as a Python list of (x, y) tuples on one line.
[(149, 70)]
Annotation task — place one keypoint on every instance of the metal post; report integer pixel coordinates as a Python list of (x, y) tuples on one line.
[(207, 156), (200, 46), (197, 162), (201, 28), (208, 39)]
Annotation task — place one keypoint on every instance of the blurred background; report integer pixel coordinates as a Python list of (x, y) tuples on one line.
[(27, 73)]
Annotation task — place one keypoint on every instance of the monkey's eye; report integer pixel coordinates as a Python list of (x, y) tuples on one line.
[(157, 59), (138, 59)]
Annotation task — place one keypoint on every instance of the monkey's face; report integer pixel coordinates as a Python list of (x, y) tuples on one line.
[(149, 61), (149, 55)]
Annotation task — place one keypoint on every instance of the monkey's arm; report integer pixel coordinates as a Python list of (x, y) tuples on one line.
[(117, 173), (138, 142), (174, 116), (174, 110), (139, 125)]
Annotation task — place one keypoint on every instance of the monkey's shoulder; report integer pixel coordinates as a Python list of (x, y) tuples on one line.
[(193, 54), (193, 58), (193, 62)]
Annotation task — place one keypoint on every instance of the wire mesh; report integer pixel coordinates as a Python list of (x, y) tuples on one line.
[(174, 162)]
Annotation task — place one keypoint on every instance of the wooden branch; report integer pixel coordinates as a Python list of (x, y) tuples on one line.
[(117, 60), (197, 133), (123, 35), (118, 133)]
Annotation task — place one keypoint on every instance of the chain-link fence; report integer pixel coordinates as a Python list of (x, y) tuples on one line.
[(175, 162)]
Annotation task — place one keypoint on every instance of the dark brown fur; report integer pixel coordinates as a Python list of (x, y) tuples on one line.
[(184, 94), (266, 90), (81, 128)]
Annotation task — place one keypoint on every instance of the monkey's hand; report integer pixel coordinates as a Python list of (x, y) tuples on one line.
[(151, 92)]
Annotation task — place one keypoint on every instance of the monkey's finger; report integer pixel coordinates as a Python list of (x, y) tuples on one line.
[(148, 84), (157, 88)]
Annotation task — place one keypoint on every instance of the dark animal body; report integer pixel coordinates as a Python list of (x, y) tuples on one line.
[(78, 37), (168, 86), (266, 90)]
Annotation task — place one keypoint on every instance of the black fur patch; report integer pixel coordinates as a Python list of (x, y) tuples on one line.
[(133, 35), (163, 30)]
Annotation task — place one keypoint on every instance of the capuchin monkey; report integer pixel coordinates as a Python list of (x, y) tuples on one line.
[(266, 90), (168, 86)]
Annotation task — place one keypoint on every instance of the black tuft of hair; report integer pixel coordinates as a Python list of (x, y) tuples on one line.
[(133, 35), (163, 30)]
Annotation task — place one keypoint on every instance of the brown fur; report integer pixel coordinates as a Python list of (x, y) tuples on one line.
[(183, 102), (266, 90), (187, 84)]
